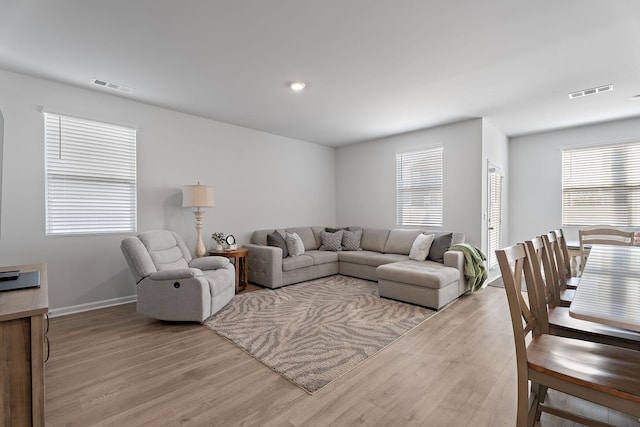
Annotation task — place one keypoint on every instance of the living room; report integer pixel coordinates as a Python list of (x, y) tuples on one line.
[(265, 180)]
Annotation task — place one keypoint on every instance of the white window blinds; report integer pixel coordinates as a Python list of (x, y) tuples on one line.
[(90, 170), (601, 185), (420, 187), (495, 215)]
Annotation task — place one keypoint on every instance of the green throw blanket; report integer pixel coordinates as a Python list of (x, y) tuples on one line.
[(474, 269)]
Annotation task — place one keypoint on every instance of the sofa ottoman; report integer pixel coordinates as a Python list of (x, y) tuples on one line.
[(425, 283)]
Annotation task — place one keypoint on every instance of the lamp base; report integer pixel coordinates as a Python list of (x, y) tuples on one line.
[(200, 249)]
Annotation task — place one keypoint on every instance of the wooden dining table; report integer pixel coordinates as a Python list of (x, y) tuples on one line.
[(609, 290)]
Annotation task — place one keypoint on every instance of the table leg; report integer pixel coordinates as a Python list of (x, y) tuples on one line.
[(237, 267), (243, 267)]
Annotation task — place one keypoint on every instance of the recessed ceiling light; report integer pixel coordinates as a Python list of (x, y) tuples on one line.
[(635, 97), (297, 86)]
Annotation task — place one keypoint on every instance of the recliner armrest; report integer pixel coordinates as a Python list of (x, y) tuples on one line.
[(177, 274), (209, 262)]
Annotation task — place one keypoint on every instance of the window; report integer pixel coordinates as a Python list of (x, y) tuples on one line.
[(601, 185), (419, 187), (90, 170)]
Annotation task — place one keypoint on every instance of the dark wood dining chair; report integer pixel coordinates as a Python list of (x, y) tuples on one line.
[(599, 373), (563, 295), (556, 320), (601, 235), (564, 260)]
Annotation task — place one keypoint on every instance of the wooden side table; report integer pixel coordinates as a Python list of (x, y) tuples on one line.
[(22, 351), (241, 263)]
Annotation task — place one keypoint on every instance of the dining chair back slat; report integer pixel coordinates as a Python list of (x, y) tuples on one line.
[(564, 250)]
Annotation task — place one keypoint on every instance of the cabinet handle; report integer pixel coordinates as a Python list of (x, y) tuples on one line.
[(47, 348), (46, 323)]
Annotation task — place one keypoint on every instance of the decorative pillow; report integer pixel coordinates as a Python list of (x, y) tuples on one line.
[(333, 230), (276, 239), (351, 240), (294, 244), (440, 245), (331, 241), (421, 246)]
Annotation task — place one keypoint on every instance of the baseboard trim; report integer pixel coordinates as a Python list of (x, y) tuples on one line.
[(63, 311)]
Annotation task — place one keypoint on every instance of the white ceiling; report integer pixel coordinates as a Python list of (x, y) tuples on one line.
[(373, 67)]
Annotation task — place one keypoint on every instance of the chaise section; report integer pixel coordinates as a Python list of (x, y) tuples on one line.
[(425, 283)]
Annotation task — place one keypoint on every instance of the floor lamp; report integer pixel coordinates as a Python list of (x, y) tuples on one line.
[(198, 196)]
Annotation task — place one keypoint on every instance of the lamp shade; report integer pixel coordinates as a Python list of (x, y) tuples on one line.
[(197, 196)]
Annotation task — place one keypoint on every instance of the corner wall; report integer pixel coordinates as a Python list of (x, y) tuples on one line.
[(366, 178), (261, 180)]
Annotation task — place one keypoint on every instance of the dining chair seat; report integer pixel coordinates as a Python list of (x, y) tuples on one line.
[(573, 282), (566, 296), (561, 323), (583, 368)]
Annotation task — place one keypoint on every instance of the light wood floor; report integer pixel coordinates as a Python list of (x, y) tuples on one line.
[(115, 367)]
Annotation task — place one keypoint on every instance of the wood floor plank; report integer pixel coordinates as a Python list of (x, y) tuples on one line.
[(116, 367)]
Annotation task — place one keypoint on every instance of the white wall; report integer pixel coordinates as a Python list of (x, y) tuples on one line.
[(366, 177), (536, 174), (261, 180), (495, 148)]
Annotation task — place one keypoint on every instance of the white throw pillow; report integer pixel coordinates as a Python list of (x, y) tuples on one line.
[(421, 246), (294, 244)]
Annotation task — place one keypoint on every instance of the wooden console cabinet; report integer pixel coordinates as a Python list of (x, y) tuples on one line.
[(22, 351)]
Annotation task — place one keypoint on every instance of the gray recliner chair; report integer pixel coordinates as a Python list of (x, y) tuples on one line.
[(173, 286)]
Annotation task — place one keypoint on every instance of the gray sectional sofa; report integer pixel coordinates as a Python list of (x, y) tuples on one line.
[(384, 257)]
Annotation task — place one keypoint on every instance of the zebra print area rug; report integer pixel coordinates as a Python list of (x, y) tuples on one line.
[(313, 332)]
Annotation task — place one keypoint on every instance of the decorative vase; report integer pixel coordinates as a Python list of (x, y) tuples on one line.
[(219, 246)]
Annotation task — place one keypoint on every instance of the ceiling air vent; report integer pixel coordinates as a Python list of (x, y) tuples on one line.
[(112, 86), (592, 91)]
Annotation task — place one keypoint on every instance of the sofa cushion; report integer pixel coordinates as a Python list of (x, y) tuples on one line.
[(427, 274), (421, 246), (351, 240), (373, 239), (296, 262), (275, 239), (307, 235), (440, 245), (322, 257), (379, 259), (356, 257), (294, 244), (400, 241), (331, 241)]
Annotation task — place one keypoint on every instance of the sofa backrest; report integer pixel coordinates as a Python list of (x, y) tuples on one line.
[(394, 241), (400, 241), (310, 236)]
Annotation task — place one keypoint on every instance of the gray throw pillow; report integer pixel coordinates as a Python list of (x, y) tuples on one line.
[(351, 240), (333, 230), (440, 245), (331, 241), (276, 239)]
